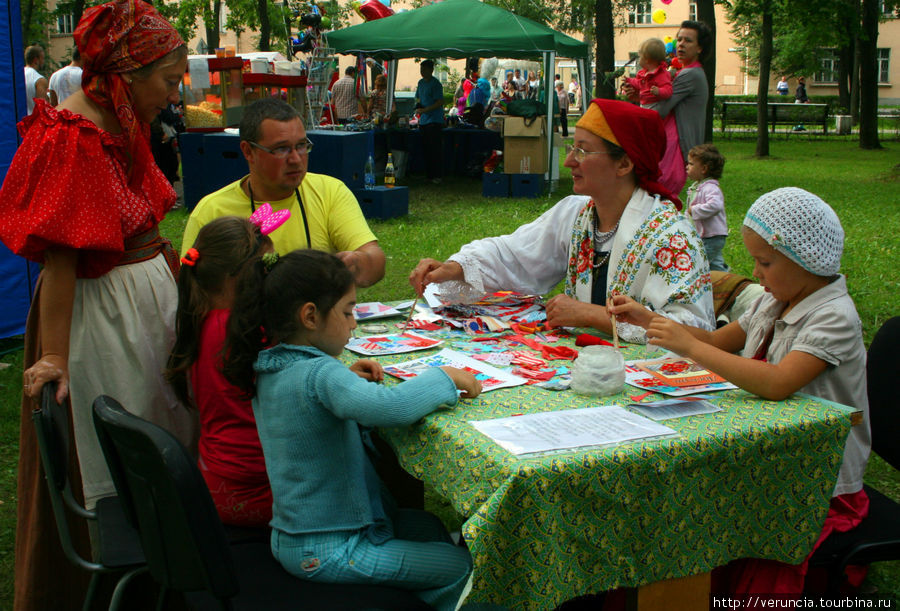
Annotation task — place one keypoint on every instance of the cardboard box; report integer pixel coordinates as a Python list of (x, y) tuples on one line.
[(524, 145)]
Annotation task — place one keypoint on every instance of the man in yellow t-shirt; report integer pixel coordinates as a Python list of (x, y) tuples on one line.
[(324, 212)]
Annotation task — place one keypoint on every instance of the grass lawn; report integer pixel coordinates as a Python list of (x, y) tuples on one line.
[(862, 186)]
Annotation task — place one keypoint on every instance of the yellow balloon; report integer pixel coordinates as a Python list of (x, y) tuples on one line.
[(668, 39), (658, 16)]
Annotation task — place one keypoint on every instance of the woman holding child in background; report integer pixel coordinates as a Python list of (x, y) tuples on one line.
[(102, 320), (620, 234), (687, 104)]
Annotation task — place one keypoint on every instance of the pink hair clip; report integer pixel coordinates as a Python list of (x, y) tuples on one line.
[(269, 220)]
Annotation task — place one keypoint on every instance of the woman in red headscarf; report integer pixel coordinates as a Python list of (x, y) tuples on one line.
[(622, 233), (84, 198)]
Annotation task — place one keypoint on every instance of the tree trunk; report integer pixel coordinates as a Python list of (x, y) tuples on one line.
[(604, 32), (265, 29), (845, 67), (854, 73), (868, 77), (77, 11), (288, 35), (762, 89), (27, 9), (212, 31), (706, 12)]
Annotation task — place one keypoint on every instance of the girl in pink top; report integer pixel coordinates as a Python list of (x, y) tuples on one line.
[(652, 82), (231, 457)]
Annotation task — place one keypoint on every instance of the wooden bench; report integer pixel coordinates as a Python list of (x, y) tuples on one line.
[(744, 113)]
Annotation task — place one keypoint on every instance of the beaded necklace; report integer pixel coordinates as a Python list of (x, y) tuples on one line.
[(602, 238)]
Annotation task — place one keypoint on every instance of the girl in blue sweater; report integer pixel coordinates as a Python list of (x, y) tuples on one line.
[(330, 521)]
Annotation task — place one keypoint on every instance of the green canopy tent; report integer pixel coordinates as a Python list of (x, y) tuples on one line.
[(460, 29)]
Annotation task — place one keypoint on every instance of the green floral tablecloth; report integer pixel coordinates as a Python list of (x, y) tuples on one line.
[(753, 480)]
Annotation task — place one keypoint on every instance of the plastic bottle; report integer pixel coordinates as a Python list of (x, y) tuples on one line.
[(389, 172), (369, 177)]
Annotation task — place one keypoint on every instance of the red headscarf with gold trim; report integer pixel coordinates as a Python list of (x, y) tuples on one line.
[(637, 130), (115, 38)]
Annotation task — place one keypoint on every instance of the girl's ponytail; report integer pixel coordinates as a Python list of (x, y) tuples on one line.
[(193, 306), (222, 249)]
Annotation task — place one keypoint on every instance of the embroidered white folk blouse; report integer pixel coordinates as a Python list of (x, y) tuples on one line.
[(656, 258)]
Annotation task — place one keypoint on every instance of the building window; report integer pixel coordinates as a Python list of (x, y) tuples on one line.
[(65, 23), (692, 11), (828, 66), (886, 10), (884, 65), (639, 13)]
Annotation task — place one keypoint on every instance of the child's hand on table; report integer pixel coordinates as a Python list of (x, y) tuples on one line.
[(670, 335), (465, 381), (368, 369)]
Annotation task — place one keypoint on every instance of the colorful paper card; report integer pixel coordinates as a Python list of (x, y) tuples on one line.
[(639, 378), (679, 372), (373, 309), (490, 377), (380, 345)]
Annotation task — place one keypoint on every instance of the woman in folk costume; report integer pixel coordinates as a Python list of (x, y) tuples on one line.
[(622, 233), (84, 198)]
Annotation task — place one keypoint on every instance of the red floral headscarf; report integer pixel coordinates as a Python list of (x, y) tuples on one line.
[(637, 130), (118, 37)]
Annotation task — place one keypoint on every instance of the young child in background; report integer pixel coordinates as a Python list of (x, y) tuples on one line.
[(802, 335), (653, 81), (231, 457), (331, 522), (705, 202)]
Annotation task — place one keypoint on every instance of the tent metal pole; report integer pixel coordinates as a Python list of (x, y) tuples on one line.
[(391, 84), (585, 84), (550, 93)]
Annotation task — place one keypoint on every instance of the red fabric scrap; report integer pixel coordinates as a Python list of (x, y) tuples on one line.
[(586, 339)]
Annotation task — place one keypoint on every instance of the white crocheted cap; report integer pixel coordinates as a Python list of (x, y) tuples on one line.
[(801, 226)]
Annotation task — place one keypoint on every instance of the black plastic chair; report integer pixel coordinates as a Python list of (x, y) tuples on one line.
[(877, 538), (165, 496), (118, 547)]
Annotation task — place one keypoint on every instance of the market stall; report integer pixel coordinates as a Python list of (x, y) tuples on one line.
[(460, 29)]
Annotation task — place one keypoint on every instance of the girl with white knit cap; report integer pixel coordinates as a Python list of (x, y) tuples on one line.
[(802, 335)]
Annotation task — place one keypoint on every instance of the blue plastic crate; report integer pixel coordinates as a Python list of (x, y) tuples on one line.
[(383, 202), (340, 154), (495, 185), (526, 185), (223, 160), (190, 145)]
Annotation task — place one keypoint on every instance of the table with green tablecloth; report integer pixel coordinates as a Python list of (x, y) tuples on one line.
[(753, 480)]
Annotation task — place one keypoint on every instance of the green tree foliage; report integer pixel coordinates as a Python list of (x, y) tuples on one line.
[(35, 18)]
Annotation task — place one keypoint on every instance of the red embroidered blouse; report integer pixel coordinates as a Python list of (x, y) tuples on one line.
[(67, 187)]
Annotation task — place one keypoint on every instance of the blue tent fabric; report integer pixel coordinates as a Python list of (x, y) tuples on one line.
[(17, 276)]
